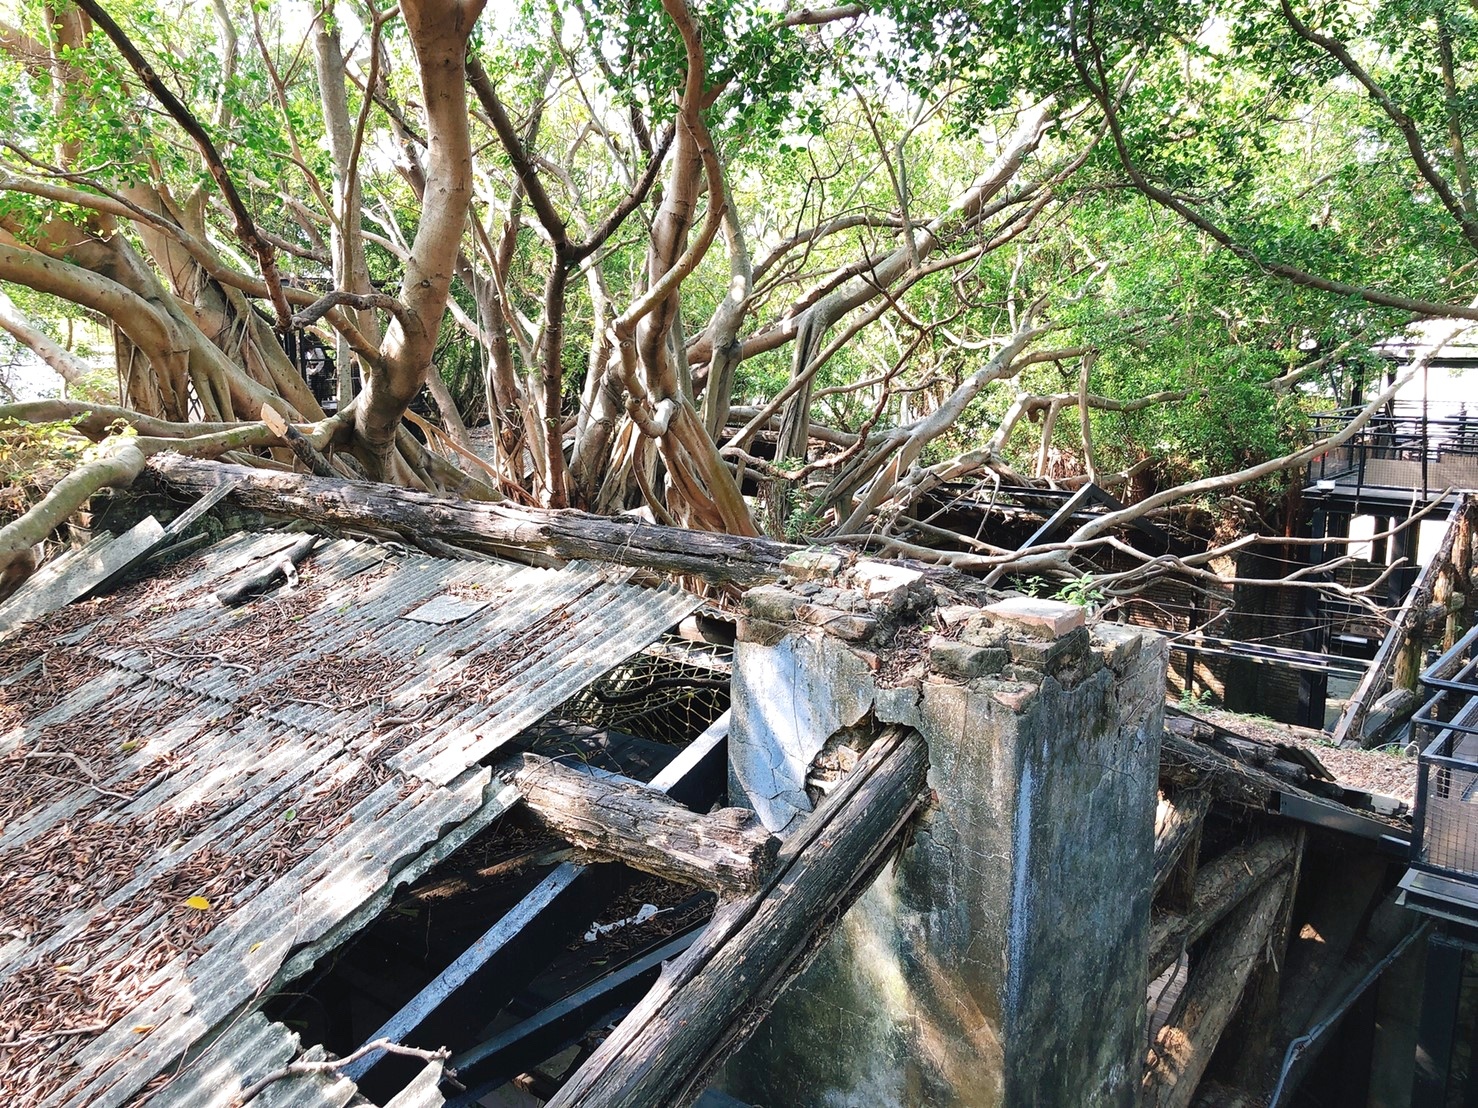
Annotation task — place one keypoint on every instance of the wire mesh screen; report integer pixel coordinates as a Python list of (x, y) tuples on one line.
[(1450, 822), (669, 693)]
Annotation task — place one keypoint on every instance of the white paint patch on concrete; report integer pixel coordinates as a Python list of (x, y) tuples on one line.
[(788, 700)]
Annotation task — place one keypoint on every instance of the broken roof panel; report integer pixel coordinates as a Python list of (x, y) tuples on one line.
[(197, 802)]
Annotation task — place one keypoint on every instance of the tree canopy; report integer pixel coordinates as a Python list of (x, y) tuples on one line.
[(744, 264)]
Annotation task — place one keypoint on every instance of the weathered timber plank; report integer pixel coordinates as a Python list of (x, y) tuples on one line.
[(1177, 826), (174, 531), (1249, 1044), (498, 528), (709, 999), (729, 851), (1183, 1050), (1221, 885), (177, 527), (1187, 763)]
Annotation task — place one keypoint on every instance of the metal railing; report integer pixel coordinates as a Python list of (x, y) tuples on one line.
[(1412, 445), (1445, 825)]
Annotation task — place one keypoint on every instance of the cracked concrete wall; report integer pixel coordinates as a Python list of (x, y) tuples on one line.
[(1001, 959), (788, 698)]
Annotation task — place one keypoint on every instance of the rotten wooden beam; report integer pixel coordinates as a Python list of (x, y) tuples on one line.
[(1178, 821), (1221, 884), (1182, 1050), (729, 851), (520, 533), (711, 998), (1250, 1045)]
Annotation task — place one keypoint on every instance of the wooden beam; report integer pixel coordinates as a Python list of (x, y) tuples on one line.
[(1182, 1050), (1187, 763), (257, 579), (1178, 821), (1221, 885), (1249, 1046), (500, 528), (729, 851), (711, 998)]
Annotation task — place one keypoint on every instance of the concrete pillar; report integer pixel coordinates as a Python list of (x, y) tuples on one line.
[(1002, 959)]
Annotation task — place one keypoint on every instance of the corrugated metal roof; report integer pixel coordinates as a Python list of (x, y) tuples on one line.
[(290, 761)]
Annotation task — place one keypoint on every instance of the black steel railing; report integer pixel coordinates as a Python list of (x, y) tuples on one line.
[(1412, 445), (1445, 825)]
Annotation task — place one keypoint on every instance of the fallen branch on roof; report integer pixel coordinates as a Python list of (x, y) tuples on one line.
[(303, 1069), (499, 528), (87, 770), (258, 579)]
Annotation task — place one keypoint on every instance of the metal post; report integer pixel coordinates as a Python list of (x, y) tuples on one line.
[(1438, 1024), (1314, 687)]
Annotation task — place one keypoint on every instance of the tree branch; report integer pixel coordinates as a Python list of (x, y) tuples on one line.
[(297, 1069), (245, 226), (1095, 80), (1404, 123)]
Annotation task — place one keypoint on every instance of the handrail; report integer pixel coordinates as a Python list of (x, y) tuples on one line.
[(1447, 774), (1378, 673)]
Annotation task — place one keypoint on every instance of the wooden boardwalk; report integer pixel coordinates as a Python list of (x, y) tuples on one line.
[(196, 803)]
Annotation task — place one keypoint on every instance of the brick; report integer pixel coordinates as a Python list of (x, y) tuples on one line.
[(843, 625), (1050, 655), (1118, 643), (952, 615), (980, 630), (771, 602), (1042, 619), (886, 582), (809, 565), (958, 659), (1017, 696)]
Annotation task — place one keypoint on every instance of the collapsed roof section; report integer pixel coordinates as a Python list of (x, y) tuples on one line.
[(201, 800)]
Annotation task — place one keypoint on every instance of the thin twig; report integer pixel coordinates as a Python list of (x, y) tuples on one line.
[(67, 756), (42, 1036), (295, 1069)]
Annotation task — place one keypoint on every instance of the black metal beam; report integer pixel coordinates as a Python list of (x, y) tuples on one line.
[(1438, 1023), (1058, 518), (497, 1060), (519, 945)]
